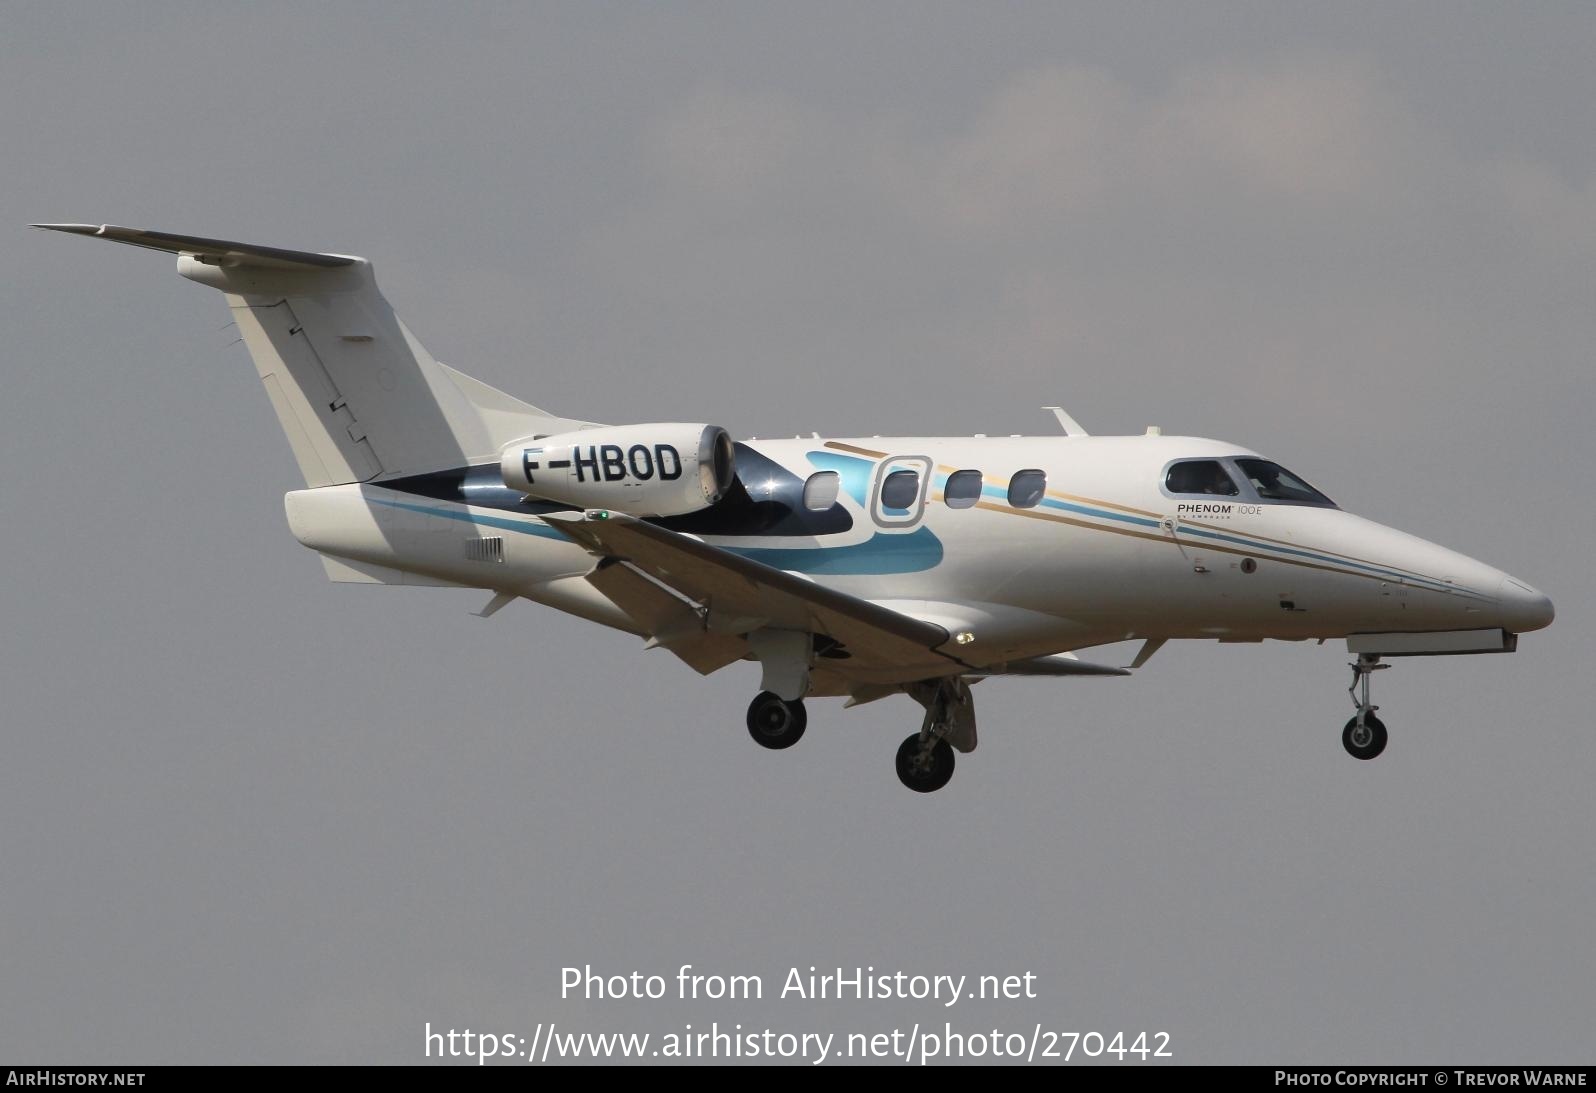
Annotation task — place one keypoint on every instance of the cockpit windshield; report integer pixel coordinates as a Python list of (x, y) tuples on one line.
[(1274, 483), (1207, 476)]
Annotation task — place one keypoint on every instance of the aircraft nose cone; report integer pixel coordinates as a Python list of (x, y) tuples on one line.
[(1523, 608)]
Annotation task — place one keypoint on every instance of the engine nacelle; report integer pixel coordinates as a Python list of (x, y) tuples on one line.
[(641, 470)]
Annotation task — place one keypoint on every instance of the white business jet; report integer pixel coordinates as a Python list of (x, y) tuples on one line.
[(857, 568)]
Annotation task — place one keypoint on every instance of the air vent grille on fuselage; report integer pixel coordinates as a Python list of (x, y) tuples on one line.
[(490, 549)]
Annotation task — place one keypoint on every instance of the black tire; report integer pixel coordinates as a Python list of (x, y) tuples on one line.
[(774, 723), (931, 774), (1369, 743)]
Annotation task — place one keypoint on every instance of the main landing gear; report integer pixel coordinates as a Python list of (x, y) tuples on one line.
[(924, 760), (1364, 736), (775, 723), (925, 763)]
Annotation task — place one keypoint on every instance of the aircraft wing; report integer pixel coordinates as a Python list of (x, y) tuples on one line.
[(697, 600)]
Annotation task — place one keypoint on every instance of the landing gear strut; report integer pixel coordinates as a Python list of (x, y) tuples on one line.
[(925, 759), (1364, 736), (775, 723)]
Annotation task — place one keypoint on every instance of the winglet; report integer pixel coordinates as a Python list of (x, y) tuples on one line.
[(1149, 647), (1069, 425), (491, 608)]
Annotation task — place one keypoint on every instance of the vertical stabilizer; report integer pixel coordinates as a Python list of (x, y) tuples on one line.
[(358, 397)]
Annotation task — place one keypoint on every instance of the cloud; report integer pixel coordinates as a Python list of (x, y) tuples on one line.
[(1290, 224), (1555, 212), (1314, 130), (1052, 144)]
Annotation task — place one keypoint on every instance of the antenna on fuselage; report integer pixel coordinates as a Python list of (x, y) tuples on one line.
[(1067, 424)]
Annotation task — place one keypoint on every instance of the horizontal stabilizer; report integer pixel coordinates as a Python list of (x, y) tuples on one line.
[(219, 251), (357, 396)]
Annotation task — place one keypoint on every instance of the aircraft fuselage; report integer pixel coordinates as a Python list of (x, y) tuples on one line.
[(1105, 551)]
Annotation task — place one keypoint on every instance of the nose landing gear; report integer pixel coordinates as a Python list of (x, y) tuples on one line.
[(1364, 736)]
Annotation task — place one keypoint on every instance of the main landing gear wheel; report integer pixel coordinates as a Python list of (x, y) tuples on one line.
[(925, 766), (774, 722), (1364, 741)]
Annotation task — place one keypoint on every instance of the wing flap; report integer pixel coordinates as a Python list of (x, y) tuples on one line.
[(671, 622), (737, 595)]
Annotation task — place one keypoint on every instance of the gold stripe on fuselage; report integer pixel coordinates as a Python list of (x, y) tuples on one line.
[(994, 480), (1172, 541), (1168, 538), (1300, 546)]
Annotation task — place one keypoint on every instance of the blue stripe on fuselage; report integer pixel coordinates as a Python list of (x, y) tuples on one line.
[(921, 550), (853, 471), (878, 555), (1084, 510), (881, 554), (1381, 571), (465, 516), (1001, 494)]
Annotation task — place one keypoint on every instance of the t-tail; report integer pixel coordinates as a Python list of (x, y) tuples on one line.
[(359, 398)]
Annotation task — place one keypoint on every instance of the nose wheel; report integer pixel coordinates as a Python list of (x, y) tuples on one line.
[(775, 723), (1365, 740), (1364, 736)]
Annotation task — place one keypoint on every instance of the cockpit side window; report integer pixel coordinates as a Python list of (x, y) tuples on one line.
[(1274, 483), (1205, 476)]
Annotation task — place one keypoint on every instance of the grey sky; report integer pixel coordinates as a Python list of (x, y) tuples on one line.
[(246, 815)]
